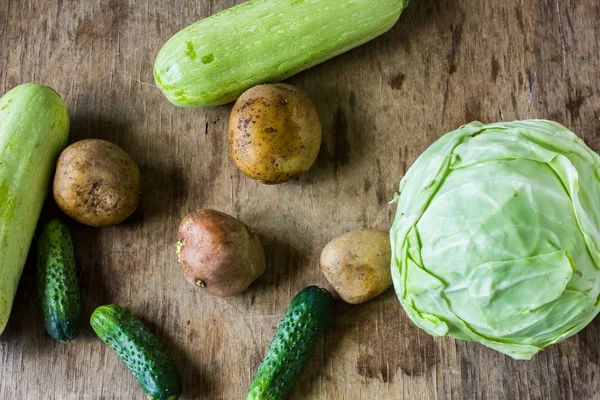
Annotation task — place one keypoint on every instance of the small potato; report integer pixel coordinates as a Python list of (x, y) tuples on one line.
[(96, 183), (357, 265), (219, 253), (274, 133)]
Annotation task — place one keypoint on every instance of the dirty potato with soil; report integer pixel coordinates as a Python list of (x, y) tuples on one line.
[(219, 253), (357, 265), (96, 183), (274, 133)]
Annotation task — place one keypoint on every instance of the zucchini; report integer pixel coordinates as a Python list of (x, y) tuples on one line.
[(144, 355), (34, 127), (215, 60), (58, 291), (293, 344)]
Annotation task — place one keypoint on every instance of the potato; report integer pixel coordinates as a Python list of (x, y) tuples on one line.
[(96, 183), (219, 253), (274, 133), (357, 265)]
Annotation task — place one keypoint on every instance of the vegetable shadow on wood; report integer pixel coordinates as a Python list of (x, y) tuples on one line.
[(197, 383), (163, 185)]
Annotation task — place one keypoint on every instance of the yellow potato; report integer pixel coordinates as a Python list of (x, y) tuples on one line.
[(357, 265), (96, 183), (274, 133)]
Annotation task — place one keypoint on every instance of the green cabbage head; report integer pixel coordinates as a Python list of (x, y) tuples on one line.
[(496, 238)]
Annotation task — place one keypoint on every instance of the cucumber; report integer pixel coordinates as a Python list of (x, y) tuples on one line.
[(58, 291), (34, 127), (293, 344), (144, 355), (216, 59)]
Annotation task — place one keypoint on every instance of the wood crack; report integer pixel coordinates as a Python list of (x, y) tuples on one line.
[(561, 32), (532, 79)]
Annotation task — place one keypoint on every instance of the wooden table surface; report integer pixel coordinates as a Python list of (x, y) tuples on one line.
[(446, 63)]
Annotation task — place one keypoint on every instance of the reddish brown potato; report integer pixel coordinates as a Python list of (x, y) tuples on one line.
[(96, 183), (357, 265), (219, 253), (274, 133)]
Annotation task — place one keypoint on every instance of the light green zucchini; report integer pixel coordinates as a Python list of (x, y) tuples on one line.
[(34, 126), (216, 59)]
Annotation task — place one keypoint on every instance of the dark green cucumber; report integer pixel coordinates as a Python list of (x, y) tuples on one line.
[(143, 353), (58, 291), (293, 344)]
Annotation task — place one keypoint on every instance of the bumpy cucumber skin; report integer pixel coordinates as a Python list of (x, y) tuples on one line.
[(143, 353), (213, 61), (296, 338), (58, 291), (34, 128)]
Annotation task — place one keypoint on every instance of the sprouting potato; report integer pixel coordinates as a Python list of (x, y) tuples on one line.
[(219, 253)]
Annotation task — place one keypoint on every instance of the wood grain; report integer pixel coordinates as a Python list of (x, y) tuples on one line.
[(445, 63)]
